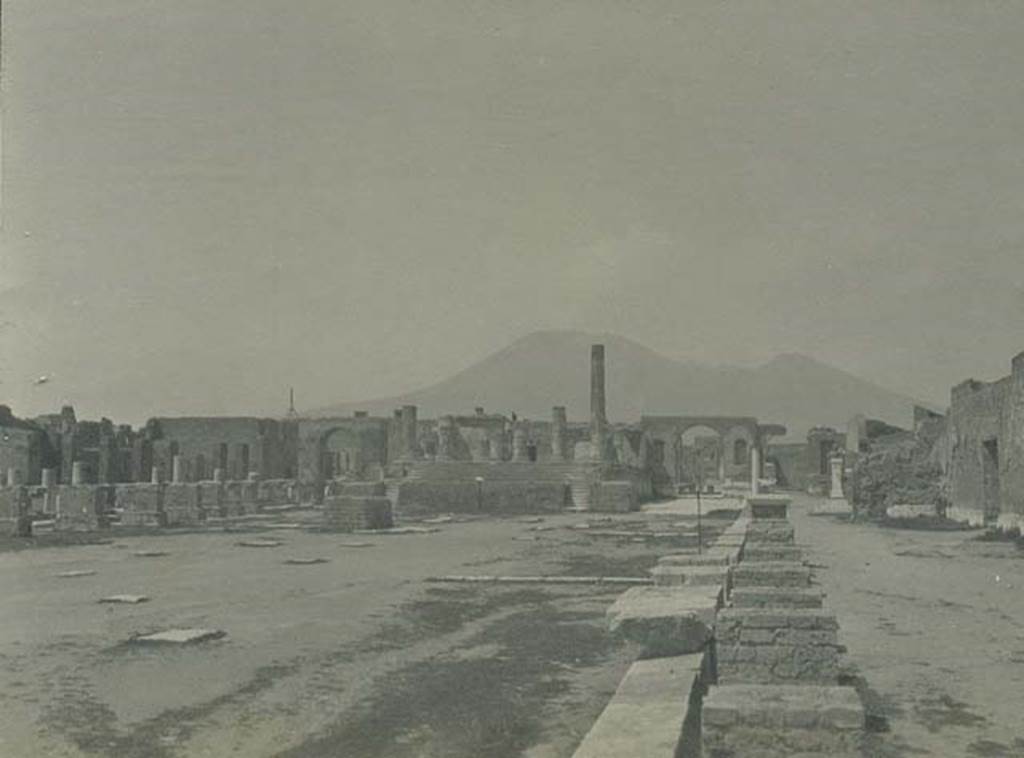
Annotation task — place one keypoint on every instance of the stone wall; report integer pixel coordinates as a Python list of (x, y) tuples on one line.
[(489, 496), (348, 513)]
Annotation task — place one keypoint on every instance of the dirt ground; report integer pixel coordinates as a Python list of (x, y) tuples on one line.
[(357, 656), (934, 621)]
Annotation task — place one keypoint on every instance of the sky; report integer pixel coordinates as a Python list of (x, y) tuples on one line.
[(206, 203)]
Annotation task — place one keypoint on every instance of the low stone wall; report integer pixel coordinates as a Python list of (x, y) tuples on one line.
[(348, 513), (427, 496), (969, 516)]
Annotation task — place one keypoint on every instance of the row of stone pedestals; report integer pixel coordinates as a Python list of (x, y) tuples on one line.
[(760, 654), (89, 507)]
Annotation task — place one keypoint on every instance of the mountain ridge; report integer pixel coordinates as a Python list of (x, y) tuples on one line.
[(552, 367)]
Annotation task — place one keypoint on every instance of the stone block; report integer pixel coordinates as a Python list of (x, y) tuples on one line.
[(776, 597), (213, 498), (770, 507), (140, 504), (363, 489), (81, 508), (347, 513), (771, 574), (782, 720), (904, 510), (15, 511), (773, 552), (678, 576), (182, 504), (712, 557), (770, 530), (666, 621), (652, 713)]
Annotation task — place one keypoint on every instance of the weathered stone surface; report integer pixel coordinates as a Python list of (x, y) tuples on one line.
[(647, 713), (776, 597), (771, 574), (781, 721), (14, 511), (666, 621)]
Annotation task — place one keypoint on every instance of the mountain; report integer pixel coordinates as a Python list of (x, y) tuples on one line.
[(553, 368)]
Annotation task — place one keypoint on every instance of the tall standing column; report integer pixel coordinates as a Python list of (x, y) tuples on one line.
[(177, 469), (755, 469), (598, 420), (78, 472), (558, 422), (409, 436), (519, 443)]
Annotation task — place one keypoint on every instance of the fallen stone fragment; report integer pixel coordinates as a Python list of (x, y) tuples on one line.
[(304, 561), (149, 553), (290, 525), (179, 636), (666, 621), (259, 543), (438, 520), (355, 544), (398, 530), (128, 599), (547, 528), (71, 574)]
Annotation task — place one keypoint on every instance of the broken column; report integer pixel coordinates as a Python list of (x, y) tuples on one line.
[(519, 452), (218, 475), (755, 469), (558, 424), (598, 420), (177, 470), (836, 469), (445, 433), (154, 475), (409, 434), (78, 473)]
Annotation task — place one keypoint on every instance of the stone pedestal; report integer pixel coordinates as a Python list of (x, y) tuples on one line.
[(836, 470)]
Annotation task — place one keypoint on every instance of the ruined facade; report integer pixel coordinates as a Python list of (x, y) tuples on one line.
[(986, 450)]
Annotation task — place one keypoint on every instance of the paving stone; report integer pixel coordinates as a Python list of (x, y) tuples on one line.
[(179, 636)]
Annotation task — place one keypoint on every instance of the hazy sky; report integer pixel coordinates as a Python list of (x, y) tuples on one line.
[(206, 201)]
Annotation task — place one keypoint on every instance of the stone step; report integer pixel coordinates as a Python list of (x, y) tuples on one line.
[(692, 576), (773, 552)]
